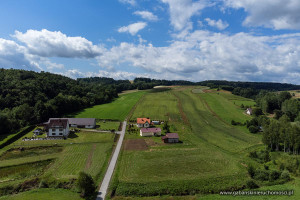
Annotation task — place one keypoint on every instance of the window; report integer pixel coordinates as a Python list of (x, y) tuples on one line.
[(60, 133), (53, 133), (53, 129), (60, 129)]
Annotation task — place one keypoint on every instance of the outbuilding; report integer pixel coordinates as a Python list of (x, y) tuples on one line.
[(249, 111), (170, 138), (150, 132)]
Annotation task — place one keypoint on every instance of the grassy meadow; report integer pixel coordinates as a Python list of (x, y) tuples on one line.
[(212, 157), (45, 194), (116, 110), (157, 106), (56, 162)]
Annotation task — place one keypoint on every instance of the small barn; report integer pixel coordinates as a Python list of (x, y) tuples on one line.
[(249, 111), (156, 122), (150, 132), (170, 138)]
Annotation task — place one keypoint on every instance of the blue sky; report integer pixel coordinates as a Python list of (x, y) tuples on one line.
[(240, 40)]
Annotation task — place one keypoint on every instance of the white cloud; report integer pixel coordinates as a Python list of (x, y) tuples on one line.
[(131, 2), (276, 14), (182, 10), (74, 73), (146, 15), (217, 24), (56, 44), (13, 55), (133, 28), (203, 55)]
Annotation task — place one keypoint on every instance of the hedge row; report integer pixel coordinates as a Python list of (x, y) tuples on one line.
[(20, 134), (179, 188)]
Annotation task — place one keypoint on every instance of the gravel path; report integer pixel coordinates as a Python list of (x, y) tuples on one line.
[(112, 164)]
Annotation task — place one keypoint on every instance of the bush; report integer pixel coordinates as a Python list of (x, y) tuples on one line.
[(267, 156), (253, 129), (253, 154), (251, 184), (285, 175), (86, 185), (266, 167), (274, 175), (43, 184), (251, 171), (261, 175)]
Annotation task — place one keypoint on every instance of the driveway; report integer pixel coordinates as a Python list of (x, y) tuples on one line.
[(112, 164)]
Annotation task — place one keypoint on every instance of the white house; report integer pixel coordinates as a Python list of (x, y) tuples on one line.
[(143, 122), (58, 128), (150, 132), (249, 111)]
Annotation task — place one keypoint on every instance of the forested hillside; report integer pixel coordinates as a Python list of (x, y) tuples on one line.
[(28, 97)]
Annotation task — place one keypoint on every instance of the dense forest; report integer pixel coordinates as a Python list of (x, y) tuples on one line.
[(28, 97), (249, 89)]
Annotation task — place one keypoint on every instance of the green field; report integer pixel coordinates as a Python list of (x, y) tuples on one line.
[(45, 194), (212, 156), (157, 106), (116, 110), (108, 125), (55, 161)]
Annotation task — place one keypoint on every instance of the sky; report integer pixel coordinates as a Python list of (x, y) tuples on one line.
[(195, 40)]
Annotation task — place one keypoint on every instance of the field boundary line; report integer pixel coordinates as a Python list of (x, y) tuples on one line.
[(134, 107)]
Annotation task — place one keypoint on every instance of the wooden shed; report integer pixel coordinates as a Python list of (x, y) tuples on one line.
[(170, 138)]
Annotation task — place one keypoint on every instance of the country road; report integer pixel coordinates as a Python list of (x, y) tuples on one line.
[(112, 164)]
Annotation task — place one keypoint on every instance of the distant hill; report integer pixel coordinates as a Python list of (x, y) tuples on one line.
[(253, 85)]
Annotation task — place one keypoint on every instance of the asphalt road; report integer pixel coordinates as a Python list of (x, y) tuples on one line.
[(112, 164)]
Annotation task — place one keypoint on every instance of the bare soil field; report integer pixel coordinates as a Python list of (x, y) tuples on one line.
[(135, 144)]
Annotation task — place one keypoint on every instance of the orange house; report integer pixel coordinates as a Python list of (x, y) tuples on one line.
[(143, 122)]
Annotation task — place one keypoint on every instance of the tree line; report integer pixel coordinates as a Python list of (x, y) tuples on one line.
[(28, 97)]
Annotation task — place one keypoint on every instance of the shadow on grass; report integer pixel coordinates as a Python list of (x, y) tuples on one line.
[(73, 135)]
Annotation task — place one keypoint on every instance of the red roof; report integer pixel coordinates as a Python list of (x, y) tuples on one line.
[(171, 135), (150, 130), (58, 122), (143, 120)]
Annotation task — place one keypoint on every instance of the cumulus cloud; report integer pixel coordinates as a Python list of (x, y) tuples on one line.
[(133, 28), (146, 15), (217, 24), (276, 14), (182, 10), (13, 55), (203, 55), (56, 44)]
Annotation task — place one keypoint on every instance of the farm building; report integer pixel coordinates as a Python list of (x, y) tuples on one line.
[(155, 122), (150, 132), (143, 122), (249, 111), (170, 138), (80, 122), (58, 128)]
